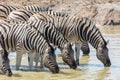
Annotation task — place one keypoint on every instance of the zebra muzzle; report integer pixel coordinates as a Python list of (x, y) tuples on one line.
[(108, 63), (74, 65), (8, 72), (54, 70)]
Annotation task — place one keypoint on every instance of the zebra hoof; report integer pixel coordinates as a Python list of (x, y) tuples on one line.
[(8, 73), (77, 62)]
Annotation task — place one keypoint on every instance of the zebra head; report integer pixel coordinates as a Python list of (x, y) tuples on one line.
[(49, 60), (67, 54), (102, 54), (4, 63)]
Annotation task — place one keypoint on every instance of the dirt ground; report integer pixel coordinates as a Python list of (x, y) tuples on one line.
[(101, 12)]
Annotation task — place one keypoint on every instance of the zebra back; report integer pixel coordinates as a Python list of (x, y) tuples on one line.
[(20, 15), (5, 10), (36, 8), (70, 27)]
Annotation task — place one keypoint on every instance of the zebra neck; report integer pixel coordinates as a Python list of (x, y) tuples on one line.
[(40, 44), (61, 43), (96, 39)]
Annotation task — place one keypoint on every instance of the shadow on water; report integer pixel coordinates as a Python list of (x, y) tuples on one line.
[(16, 75), (84, 61), (25, 68)]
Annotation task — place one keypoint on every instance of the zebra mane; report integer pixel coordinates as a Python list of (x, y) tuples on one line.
[(105, 43), (59, 14)]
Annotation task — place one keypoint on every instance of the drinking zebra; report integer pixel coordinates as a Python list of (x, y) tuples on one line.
[(79, 31), (23, 38), (55, 38)]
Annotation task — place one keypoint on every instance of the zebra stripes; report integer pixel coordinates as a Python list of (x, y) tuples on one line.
[(24, 39), (79, 30)]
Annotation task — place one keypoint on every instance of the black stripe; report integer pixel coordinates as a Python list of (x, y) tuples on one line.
[(1, 10), (3, 27), (86, 30), (20, 16)]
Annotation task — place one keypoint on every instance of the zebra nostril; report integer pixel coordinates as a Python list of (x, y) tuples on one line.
[(108, 63), (74, 65)]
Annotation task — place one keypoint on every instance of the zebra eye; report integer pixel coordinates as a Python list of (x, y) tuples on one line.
[(3, 62)]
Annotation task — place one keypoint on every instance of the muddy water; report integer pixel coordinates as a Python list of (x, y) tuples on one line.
[(90, 68)]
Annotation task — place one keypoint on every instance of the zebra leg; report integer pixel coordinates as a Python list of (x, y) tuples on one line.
[(41, 63), (30, 55), (18, 60), (85, 49), (77, 50), (36, 59)]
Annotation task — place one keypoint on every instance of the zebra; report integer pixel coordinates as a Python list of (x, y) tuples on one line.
[(79, 31), (23, 38), (22, 15)]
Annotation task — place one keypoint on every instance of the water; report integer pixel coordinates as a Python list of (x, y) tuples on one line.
[(90, 67)]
